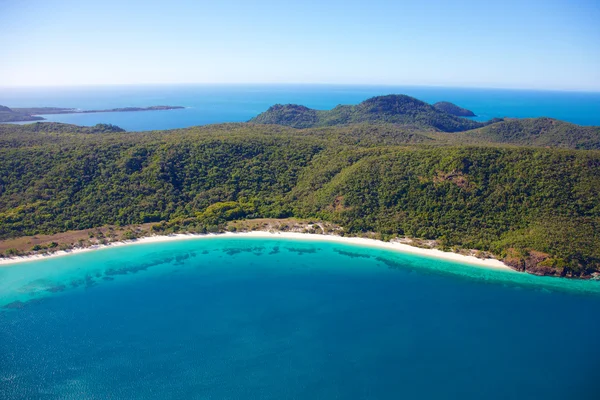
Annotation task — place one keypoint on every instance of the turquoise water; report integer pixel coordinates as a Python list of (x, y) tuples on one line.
[(208, 104), (245, 318)]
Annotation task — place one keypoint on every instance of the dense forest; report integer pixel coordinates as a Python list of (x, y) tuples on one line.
[(453, 109), (534, 207), (538, 132)]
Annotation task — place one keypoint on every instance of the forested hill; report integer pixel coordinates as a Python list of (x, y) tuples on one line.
[(453, 109), (535, 208), (538, 132), (397, 109), (9, 115), (404, 113)]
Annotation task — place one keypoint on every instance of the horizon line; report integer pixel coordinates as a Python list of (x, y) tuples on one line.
[(593, 91)]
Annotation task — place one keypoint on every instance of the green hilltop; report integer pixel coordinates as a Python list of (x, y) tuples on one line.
[(397, 109), (546, 132)]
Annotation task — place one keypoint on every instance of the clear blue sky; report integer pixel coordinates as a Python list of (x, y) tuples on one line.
[(549, 44)]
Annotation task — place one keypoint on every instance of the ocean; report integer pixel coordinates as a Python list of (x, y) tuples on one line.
[(210, 104), (255, 318)]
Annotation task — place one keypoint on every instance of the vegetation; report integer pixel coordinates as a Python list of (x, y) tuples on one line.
[(23, 135), (397, 109), (43, 110), (539, 132), (10, 115), (536, 208), (453, 109)]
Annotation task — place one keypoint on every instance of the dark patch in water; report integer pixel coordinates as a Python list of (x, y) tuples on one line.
[(205, 251), (36, 286), (301, 251), (233, 251), (180, 258), (390, 263), (15, 305), (137, 268), (18, 304), (351, 254), (77, 282), (89, 281), (56, 289), (275, 250), (108, 278)]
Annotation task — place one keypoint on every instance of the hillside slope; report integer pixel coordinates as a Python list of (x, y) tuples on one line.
[(546, 132), (9, 115), (453, 109), (537, 209)]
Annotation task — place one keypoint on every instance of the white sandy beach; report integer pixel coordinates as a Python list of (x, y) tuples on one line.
[(401, 247)]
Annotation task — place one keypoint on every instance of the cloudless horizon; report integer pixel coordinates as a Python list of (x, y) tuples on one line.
[(542, 45)]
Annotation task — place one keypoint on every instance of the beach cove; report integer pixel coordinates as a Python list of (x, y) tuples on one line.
[(392, 245), (20, 277)]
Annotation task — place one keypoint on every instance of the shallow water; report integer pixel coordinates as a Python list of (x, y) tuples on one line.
[(282, 318)]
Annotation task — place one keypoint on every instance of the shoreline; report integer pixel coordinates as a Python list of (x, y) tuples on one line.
[(36, 114), (365, 242)]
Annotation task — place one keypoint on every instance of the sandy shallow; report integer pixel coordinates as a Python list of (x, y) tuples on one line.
[(401, 247)]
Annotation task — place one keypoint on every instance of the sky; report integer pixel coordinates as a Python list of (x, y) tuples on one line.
[(550, 44)]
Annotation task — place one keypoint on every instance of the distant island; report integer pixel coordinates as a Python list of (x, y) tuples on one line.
[(21, 114), (395, 109), (453, 109)]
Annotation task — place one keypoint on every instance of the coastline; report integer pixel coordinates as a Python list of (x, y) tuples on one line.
[(35, 114), (393, 245)]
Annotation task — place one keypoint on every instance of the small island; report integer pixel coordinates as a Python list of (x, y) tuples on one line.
[(22, 114)]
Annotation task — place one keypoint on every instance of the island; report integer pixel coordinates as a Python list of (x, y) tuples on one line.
[(20, 114), (396, 109)]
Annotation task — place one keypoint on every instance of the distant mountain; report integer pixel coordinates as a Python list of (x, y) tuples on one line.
[(545, 132), (453, 109), (396, 109)]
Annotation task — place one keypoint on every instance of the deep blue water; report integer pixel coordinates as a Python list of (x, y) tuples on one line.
[(208, 104), (241, 318)]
